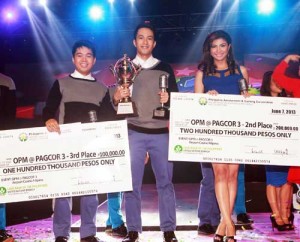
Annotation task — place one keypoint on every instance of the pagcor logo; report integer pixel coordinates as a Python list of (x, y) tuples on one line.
[(2, 191), (202, 101), (178, 148), (23, 137)]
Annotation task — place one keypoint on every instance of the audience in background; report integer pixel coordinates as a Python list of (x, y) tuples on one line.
[(7, 121), (278, 190)]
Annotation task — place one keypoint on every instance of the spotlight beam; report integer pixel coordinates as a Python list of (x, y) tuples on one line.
[(24, 3)]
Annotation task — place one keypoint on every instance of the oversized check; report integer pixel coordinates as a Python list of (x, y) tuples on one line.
[(234, 129), (84, 159)]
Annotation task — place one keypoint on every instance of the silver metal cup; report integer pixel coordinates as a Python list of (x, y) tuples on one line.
[(92, 116), (243, 85)]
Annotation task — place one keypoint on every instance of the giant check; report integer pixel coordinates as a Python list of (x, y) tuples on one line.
[(234, 129), (84, 159)]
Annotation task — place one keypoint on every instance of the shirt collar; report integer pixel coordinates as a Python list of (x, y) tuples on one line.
[(151, 61), (76, 74)]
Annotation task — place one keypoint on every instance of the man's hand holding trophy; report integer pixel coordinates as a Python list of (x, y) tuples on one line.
[(125, 71), (162, 112)]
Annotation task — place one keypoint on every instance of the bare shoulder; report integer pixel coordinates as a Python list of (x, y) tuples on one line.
[(243, 69), (7, 81), (244, 72)]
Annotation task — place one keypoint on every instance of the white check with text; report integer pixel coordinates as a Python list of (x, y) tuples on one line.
[(84, 159), (234, 129)]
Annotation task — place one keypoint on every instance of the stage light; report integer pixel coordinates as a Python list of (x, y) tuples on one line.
[(111, 1), (43, 3), (24, 3), (96, 12), (266, 6), (9, 15)]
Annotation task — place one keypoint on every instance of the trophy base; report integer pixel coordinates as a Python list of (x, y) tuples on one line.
[(127, 109), (161, 113)]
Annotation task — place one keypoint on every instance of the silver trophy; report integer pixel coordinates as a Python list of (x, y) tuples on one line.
[(243, 85), (93, 116), (125, 71), (162, 112)]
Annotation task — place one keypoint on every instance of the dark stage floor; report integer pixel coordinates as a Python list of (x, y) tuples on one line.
[(187, 221)]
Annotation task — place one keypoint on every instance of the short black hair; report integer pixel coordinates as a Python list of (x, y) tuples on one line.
[(144, 25), (84, 43), (292, 69)]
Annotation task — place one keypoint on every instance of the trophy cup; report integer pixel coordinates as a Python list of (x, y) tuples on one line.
[(125, 71), (92, 116), (243, 85), (162, 112)]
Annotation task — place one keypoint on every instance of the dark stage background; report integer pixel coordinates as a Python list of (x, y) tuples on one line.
[(36, 49)]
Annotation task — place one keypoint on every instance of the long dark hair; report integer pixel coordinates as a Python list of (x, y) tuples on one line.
[(265, 89), (207, 64)]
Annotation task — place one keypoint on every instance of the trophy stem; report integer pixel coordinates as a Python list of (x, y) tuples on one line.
[(126, 100)]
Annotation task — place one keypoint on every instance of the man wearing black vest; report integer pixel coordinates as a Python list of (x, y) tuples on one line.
[(149, 136), (74, 96)]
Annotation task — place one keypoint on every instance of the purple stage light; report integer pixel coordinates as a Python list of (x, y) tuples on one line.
[(43, 3), (9, 15)]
